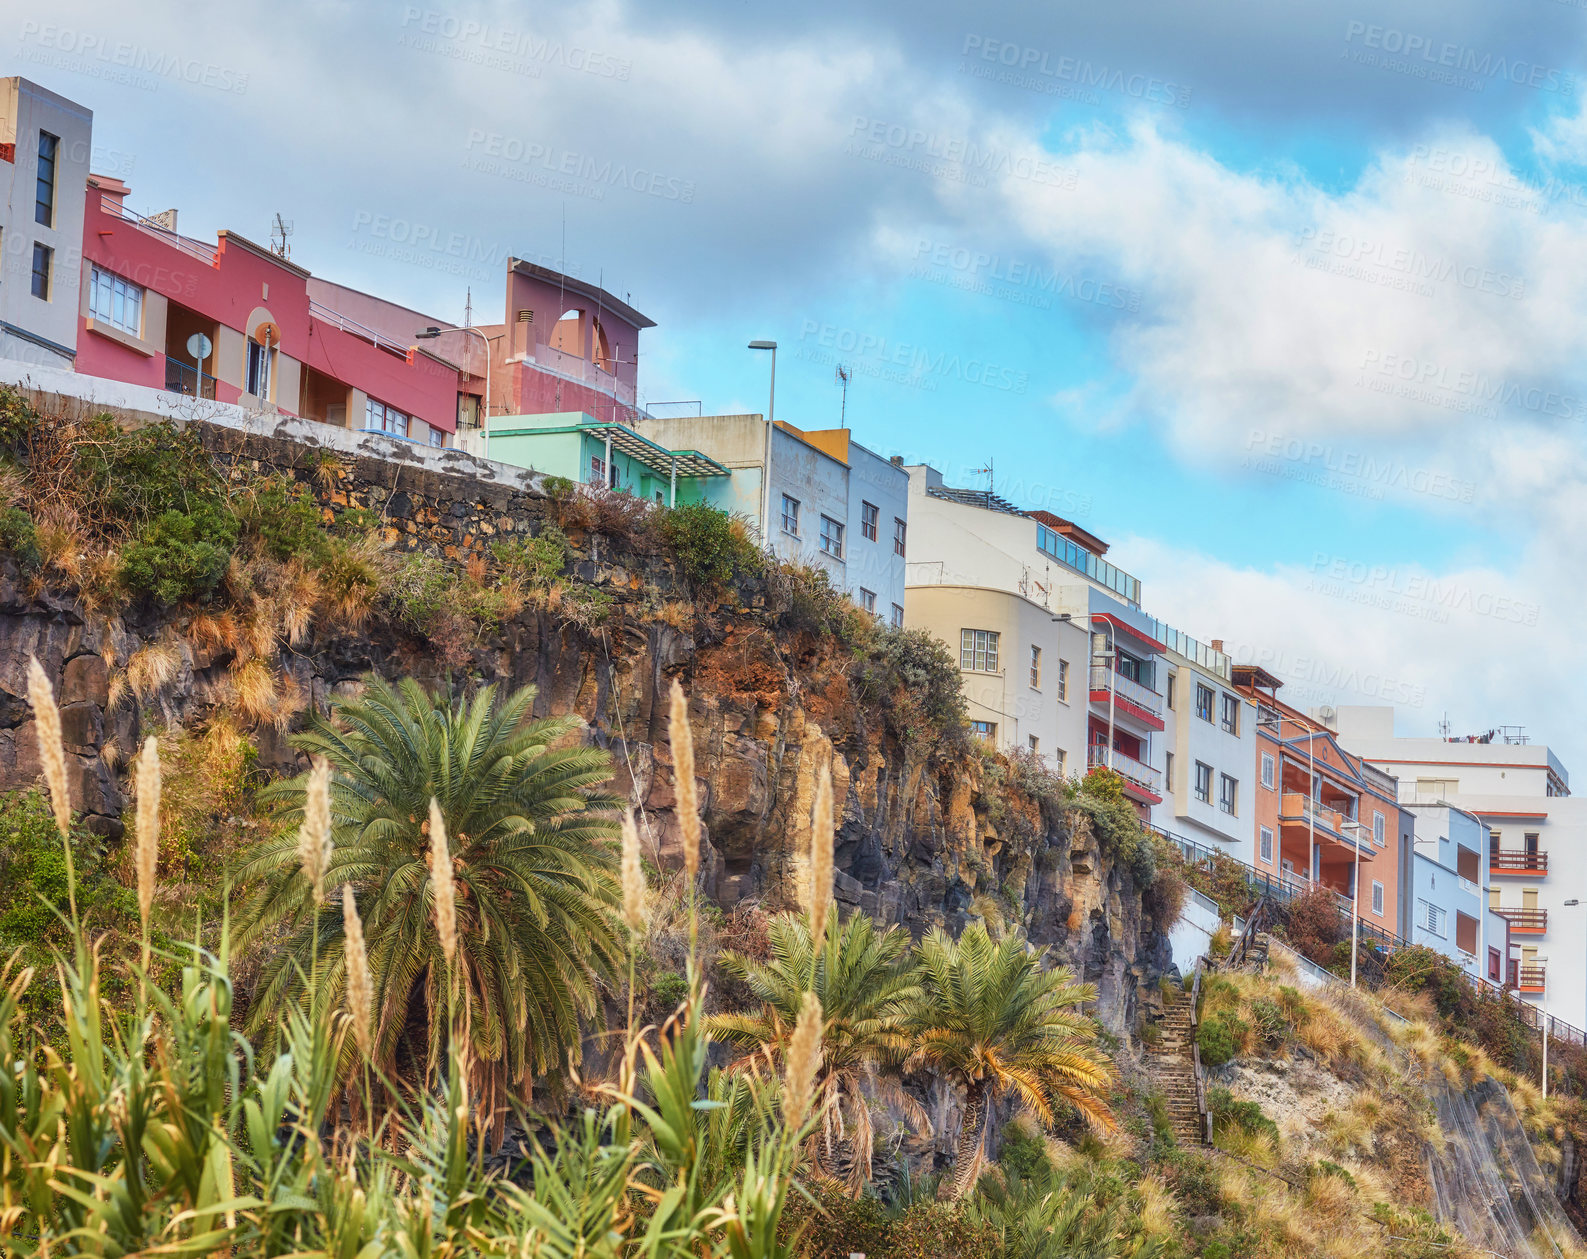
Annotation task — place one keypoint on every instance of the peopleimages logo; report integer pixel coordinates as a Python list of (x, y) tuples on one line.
[(88, 53), (532, 162), (897, 144), (984, 270), (1028, 67), (915, 360), (1378, 473), (429, 30), (1430, 53)]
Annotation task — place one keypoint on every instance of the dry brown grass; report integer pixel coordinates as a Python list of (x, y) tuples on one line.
[(153, 667)]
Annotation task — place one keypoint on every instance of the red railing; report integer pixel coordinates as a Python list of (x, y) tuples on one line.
[(1518, 862), (1523, 919)]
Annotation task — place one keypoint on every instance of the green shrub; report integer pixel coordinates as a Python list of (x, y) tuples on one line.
[(1325, 1167), (179, 556), (538, 561), (710, 547), (558, 488), (19, 538), (1024, 1154), (18, 419), (356, 521), (1227, 1113), (912, 678), (139, 475), (1219, 1039), (1271, 1023), (283, 516)]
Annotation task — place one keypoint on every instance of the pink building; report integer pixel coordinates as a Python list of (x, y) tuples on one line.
[(274, 342)]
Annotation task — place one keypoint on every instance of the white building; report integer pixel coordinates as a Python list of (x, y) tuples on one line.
[(831, 503), (45, 143), (1449, 892), (1535, 836), (1057, 655)]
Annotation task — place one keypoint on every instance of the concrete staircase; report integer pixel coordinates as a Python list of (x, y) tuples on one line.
[(1172, 1071)]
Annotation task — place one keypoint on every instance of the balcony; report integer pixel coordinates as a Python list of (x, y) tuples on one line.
[(1517, 862), (1530, 977), (181, 378), (1124, 688), (1523, 921), (1131, 770)]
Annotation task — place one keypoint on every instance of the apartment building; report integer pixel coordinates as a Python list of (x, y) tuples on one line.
[(606, 454), (45, 145), (1535, 829), (815, 497), (1057, 656), (1325, 817), (1449, 891)]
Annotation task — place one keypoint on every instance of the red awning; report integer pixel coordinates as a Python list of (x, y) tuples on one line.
[(1127, 628)]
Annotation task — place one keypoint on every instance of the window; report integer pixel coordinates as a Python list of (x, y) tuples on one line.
[(1493, 965), (1429, 917), (44, 209), (1231, 714), (43, 259), (1063, 681), (1035, 667), (1168, 770), (1265, 845), (898, 536), (1228, 790), (985, 730), (1060, 758), (898, 616), (832, 537), (1529, 842), (978, 650), (1466, 933), (597, 470), (1203, 702), (379, 418), (1171, 679), (1267, 771), (867, 599), (869, 515), (259, 374), (1204, 783), (114, 301), (437, 437), (1377, 829), (1377, 898), (790, 515), (1035, 745)]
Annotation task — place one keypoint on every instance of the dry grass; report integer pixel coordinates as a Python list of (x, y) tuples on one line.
[(152, 668)]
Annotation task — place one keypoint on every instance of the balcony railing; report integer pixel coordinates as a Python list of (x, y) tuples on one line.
[(348, 324), (1530, 977), (1296, 807), (1517, 862), (1136, 771), (1126, 688), (1524, 920), (206, 254), (181, 378)]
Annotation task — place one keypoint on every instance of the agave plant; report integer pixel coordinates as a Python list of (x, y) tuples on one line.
[(997, 1024), (529, 837), (867, 985)]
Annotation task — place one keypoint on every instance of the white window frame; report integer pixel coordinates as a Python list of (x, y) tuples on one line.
[(898, 616), (1379, 827), (1377, 898), (984, 730), (870, 521), (380, 418), (831, 540), (1265, 845), (978, 650), (1035, 667), (1062, 758), (1204, 782), (1229, 714), (115, 300), (790, 519), (262, 377), (868, 600), (900, 536), (1229, 795), (1210, 714), (1063, 680), (1035, 744), (1269, 777)]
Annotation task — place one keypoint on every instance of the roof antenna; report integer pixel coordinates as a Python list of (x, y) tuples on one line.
[(844, 376), (279, 231), (991, 479)]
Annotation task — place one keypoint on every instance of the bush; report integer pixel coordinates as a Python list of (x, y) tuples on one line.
[(139, 475), (537, 561), (1271, 1023), (1024, 1154), (20, 538), (710, 547), (179, 556), (1247, 1117), (1313, 927), (913, 679), (356, 521), (283, 516), (1220, 1039)]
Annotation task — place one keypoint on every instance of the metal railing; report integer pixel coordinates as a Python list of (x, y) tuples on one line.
[(1530, 977), (1136, 771), (1529, 920), (1517, 862), (184, 379), (1137, 693), (347, 324), (207, 254), (1202, 1112)]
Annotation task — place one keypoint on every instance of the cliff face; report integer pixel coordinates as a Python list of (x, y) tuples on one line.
[(925, 839)]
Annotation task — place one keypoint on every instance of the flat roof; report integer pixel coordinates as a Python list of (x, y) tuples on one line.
[(653, 455)]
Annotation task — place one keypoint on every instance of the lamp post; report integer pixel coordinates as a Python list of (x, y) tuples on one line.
[(1548, 1018), (433, 331), (765, 467)]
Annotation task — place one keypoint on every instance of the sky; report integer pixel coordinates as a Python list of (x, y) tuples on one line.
[(1285, 302)]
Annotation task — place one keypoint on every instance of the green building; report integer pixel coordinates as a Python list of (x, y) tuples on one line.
[(575, 446)]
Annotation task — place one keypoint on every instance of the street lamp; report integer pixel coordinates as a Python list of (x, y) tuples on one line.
[(433, 331), (765, 467)]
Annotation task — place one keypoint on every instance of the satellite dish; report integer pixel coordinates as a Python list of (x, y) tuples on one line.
[(1327, 712), (198, 345), (267, 334)]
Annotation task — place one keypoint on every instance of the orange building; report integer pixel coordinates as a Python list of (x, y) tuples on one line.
[(1321, 813)]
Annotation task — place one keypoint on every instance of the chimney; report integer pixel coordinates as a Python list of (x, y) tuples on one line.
[(1217, 644)]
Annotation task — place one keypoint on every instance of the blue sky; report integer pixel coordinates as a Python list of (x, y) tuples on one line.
[(1287, 313)]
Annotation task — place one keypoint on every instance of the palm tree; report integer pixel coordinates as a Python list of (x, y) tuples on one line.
[(995, 1023), (530, 838), (866, 982)]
